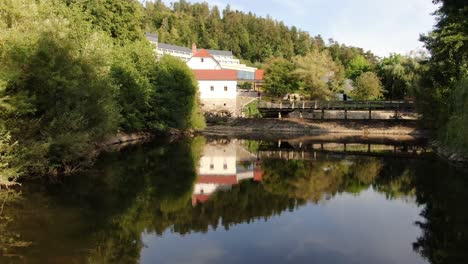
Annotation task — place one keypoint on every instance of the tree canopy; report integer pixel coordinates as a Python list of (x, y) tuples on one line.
[(73, 73), (367, 87), (320, 74)]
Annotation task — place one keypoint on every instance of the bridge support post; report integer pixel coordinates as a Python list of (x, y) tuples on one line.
[(396, 111)]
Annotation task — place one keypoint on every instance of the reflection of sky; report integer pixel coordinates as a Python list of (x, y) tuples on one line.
[(366, 228)]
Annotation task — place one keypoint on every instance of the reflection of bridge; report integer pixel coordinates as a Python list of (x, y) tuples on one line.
[(284, 108), (309, 150)]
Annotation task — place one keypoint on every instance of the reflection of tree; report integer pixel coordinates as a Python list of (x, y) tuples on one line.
[(445, 229), (105, 211), (9, 239), (312, 180), (148, 188)]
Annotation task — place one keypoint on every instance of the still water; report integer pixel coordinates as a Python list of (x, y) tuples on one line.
[(240, 201)]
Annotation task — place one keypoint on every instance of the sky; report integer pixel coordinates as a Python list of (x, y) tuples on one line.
[(381, 26)]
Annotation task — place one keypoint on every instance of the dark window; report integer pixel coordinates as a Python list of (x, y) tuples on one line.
[(211, 166), (202, 60), (225, 166), (212, 88), (225, 88)]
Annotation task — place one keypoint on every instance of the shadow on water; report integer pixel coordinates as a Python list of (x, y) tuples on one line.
[(197, 186)]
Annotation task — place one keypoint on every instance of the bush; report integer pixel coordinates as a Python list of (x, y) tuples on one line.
[(455, 132), (175, 101)]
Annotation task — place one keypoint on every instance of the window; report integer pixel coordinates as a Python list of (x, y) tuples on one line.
[(225, 166), (225, 88), (212, 88), (202, 60), (211, 166), (224, 104)]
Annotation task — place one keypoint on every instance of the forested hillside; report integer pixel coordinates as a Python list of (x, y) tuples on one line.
[(247, 35)]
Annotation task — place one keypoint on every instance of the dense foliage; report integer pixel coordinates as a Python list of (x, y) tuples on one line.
[(69, 78), (279, 77), (367, 87), (248, 36), (443, 96)]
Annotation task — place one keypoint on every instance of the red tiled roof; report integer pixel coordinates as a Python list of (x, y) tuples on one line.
[(216, 75), (259, 75), (218, 179), (203, 53)]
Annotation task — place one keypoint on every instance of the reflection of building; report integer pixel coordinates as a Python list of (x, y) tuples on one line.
[(222, 166), (218, 74)]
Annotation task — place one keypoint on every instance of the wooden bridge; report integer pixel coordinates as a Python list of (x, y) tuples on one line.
[(284, 108)]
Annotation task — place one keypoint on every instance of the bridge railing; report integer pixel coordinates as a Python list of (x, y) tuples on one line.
[(350, 105)]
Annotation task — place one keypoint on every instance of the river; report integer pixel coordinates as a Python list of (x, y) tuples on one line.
[(206, 200)]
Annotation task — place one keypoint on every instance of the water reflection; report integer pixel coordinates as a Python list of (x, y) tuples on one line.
[(290, 201), (224, 164)]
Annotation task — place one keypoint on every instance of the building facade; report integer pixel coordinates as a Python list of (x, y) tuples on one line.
[(218, 74)]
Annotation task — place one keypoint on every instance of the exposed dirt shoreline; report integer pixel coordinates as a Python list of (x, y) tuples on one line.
[(389, 131), (303, 127)]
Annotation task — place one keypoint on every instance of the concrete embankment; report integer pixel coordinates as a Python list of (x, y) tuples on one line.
[(304, 127)]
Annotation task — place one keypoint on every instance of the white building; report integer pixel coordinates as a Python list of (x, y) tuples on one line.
[(217, 72), (217, 86)]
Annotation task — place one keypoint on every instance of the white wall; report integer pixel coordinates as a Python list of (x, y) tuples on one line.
[(218, 92), (218, 160), (196, 63)]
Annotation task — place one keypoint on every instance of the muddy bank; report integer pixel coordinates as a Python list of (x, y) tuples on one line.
[(291, 127), (450, 155), (122, 140)]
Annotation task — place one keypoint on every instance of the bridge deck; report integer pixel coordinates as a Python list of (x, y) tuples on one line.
[(269, 109)]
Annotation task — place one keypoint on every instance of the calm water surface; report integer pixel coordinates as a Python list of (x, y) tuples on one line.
[(239, 201)]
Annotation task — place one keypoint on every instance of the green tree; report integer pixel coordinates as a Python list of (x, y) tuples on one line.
[(320, 75), (442, 92), (400, 75), (357, 66), (123, 20), (175, 101), (367, 87), (132, 72), (279, 77), (54, 72)]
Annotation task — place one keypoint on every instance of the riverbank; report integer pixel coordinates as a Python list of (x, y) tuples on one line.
[(450, 155), (303, 127)]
